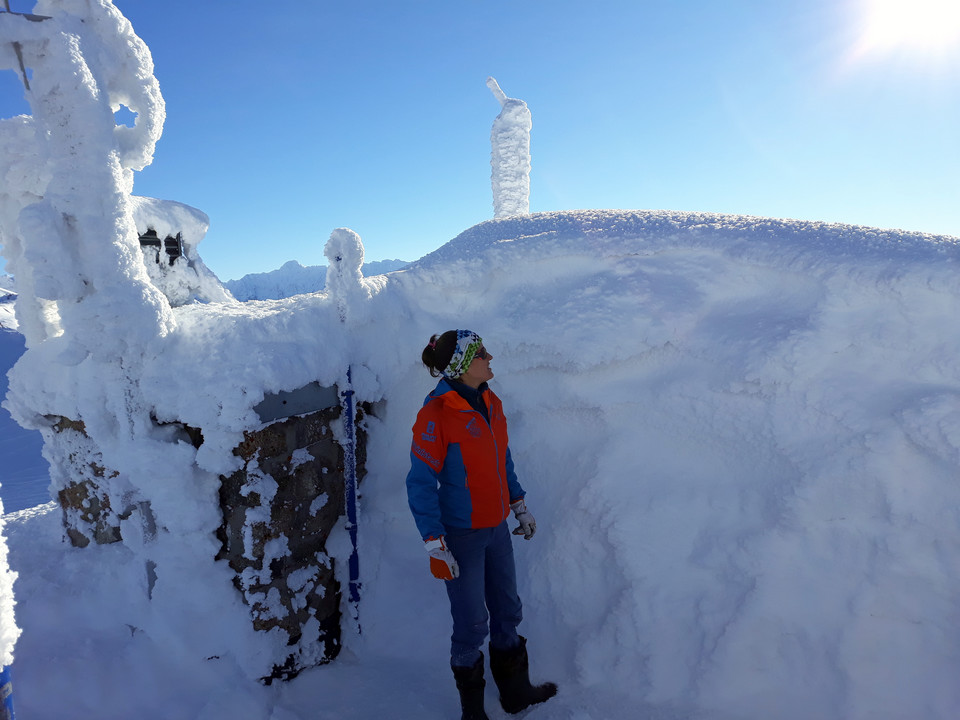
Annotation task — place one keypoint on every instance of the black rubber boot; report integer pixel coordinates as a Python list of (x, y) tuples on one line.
[(470, 683), (511, 672)]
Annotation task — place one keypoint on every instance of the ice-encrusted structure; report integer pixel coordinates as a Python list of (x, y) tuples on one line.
[(67, 174), (510, 155), (144, 449)]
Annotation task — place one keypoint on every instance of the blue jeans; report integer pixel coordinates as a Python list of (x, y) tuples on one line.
[(488, 581)]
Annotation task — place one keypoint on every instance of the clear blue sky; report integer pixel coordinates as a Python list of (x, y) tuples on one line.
[(285, 121)]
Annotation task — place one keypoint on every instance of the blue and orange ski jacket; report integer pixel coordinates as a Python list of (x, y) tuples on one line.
[(461, 473)]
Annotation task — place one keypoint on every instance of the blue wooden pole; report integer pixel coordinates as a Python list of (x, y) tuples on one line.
[(350, 488), (6, 695)]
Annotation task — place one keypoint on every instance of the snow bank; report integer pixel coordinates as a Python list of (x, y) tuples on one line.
[(739, 437), (9, 350), (743, 435), (9, 632), (24, 474)]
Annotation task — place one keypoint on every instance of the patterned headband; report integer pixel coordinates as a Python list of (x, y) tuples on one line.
[(468, 342)]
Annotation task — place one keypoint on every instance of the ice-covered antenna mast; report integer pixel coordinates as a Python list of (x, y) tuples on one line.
[(510, 155), (499, 94), (17, 49)]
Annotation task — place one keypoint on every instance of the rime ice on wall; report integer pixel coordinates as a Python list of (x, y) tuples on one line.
[(144, 376), (90, 312), (510, 155), (65, 224), (85, 305)]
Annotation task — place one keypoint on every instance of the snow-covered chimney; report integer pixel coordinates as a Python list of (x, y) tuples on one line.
[(510, 155)]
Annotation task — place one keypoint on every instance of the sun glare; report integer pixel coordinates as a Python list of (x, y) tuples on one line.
[(917, 25)]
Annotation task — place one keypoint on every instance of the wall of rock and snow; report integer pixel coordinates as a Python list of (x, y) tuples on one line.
[(145, 400)]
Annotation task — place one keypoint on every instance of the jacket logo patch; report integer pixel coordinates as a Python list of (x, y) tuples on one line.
[(425, 456), (473, 428), (429, 435)]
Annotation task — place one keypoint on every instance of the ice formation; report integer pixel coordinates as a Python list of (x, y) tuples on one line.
[(94, 307), (65, 223), (510, 155)]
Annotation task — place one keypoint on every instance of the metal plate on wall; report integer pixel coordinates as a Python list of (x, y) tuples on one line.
[(309, 398)]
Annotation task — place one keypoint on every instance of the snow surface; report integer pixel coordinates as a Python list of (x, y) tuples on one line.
[(24, 474), (739, 437)]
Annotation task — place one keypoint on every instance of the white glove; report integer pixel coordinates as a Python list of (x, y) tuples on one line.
[(528, 526), (442, 563)]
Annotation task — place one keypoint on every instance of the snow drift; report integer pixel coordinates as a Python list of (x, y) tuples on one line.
[(740, 436)]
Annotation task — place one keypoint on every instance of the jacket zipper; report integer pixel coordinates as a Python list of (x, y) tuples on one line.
[(496, 447)]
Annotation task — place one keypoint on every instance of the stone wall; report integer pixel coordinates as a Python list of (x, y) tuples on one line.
[(278, 511), (88, 511)]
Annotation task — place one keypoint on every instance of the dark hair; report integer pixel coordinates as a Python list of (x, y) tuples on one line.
[(438, 352)]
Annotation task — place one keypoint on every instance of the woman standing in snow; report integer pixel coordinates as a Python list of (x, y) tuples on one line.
[(461, 488)]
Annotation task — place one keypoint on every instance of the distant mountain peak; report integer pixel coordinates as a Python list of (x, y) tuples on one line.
[(292, 278), (8, 320)]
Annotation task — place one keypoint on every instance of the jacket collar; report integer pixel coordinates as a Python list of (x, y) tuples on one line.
[(446, 392)]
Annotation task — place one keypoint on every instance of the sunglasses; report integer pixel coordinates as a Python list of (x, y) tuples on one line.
[(482, 353)]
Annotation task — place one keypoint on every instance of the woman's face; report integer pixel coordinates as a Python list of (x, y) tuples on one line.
[(479, 370)]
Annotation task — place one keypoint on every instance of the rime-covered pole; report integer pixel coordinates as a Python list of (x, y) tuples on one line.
[(344, 250), (510, 155)]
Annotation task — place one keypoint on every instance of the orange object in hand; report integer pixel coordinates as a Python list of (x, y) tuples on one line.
[(442, 563)]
